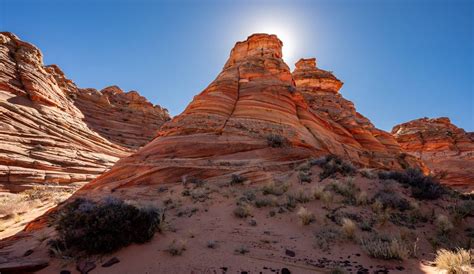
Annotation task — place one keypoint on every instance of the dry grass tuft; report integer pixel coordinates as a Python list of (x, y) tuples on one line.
[(177, 247), (349, 228), (305, 216), (443, 224), (454, 262)]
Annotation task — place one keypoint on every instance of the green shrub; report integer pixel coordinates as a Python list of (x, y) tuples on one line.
[(391, 199), (103, 227)]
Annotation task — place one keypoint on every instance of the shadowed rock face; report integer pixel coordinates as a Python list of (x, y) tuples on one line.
[(446, 149), (43, 136), (225, 128)]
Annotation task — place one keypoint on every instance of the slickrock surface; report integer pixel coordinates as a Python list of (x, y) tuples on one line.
[(226, 127), (124, 118), (43, 136), (320, 88), (446, 149)]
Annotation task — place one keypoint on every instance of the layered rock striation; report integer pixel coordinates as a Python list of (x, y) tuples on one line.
[(320, 89), (446, 149), (43, 134), (233, 124)]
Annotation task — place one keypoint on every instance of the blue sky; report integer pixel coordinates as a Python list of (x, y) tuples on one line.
[(399, 60)]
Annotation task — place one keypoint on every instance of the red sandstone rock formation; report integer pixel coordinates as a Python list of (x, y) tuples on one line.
[(320, 89), (127, 119), (446, 149), (226, 127), (43, 136)]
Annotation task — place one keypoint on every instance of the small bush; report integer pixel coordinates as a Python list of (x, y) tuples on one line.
[(345, 188), (274, 189), (176, 248), (318, 192), (386, 248), (97, 228), (349, 228), (306, 217), (242, 211), (325, 238), (443, 224), (463, 209), (211, 244), (304, 177), (422, 187), (242, 250), (333, 165), (454, 262), (362, 198), (265, 201), (237, 179), (368, 173), (301, 195), (391, 199), (274, 140)]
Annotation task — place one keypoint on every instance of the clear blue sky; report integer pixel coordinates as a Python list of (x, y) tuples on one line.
[(399, 60)]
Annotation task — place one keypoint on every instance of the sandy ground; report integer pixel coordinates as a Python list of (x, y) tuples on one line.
[(276, 243)]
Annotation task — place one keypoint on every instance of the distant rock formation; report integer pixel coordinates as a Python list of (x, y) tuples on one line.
[(251, 107), (127, 119), (45, 137), (446, 149)]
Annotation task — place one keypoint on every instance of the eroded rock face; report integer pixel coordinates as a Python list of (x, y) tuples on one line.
[(43, 136), (446, 149), (124, 118), (374, 147), (226, 127)]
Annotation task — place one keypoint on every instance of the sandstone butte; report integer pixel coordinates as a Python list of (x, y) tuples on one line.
[(225, 129), (53, 132), (446, 149)]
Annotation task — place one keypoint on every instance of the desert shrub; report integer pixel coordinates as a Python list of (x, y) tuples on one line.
[(242, 250), (333, 165), (443, 224), (242, 211), (274, 140), (275, 189), (199, 194), (345, 188), (301, 195), (237, 179), (348, 228), (290, 202), (386, 248), (176, 247), (248, 195), (211, 244), (304, 176), (197, 182), (265, 201), (325, 238), (337, 270), (327, 197), (306, 217), (317, 192), (361, 198), (103, 227), (368, 173), (463, 209), (391, 199), (454, 262), (422, 187)]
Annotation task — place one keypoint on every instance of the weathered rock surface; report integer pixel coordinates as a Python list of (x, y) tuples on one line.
[(446, 149), (226, 127), (43, 136), (320, 89), (124, 118)]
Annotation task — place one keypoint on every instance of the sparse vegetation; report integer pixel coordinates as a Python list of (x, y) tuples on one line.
[(454, 262), (306, 217), (176, 247), (242, 211), (385, 247), (333, 165), (242, 250), (275, 189), (348, 228), (422, 187), (391, 199), (345, 188), (102, 227), (274, 140), (325, 237), (237, 179), (443, 224)]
